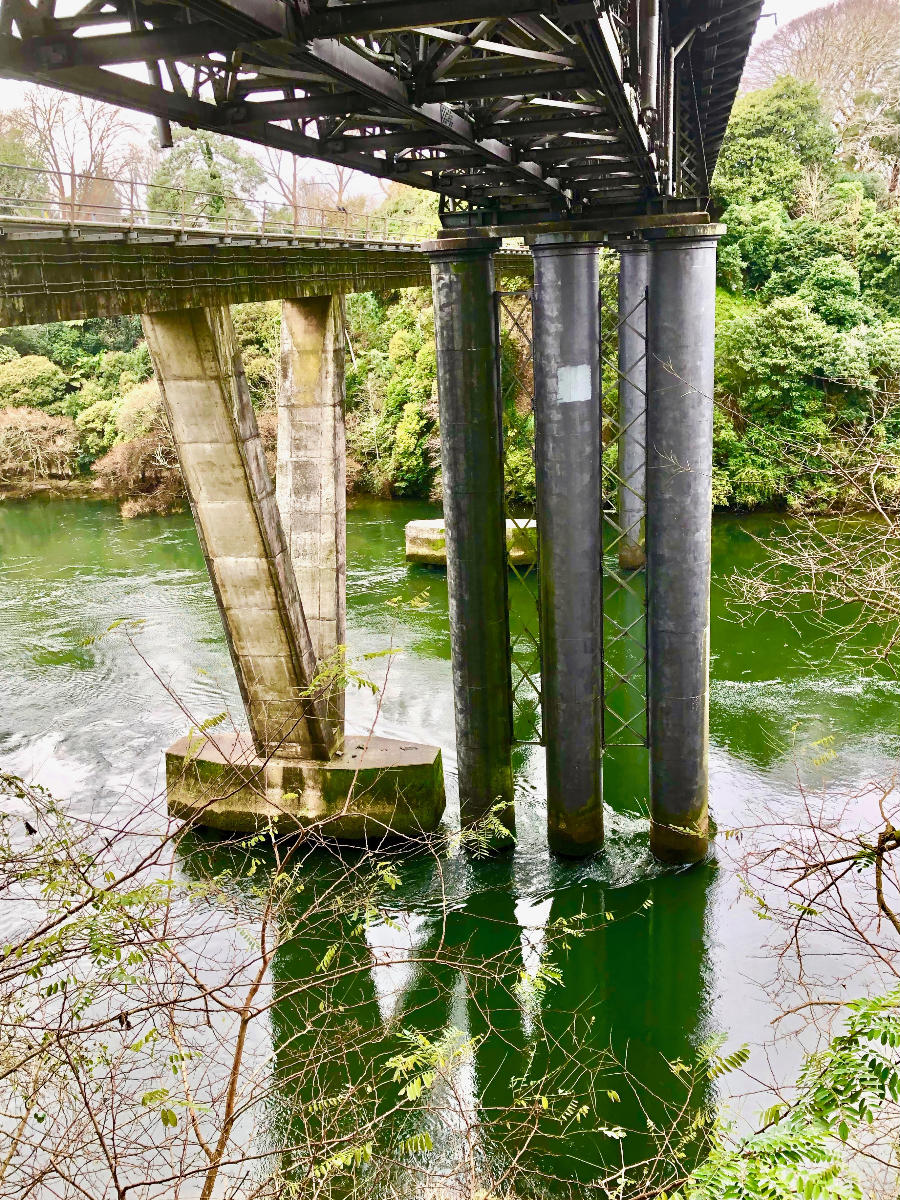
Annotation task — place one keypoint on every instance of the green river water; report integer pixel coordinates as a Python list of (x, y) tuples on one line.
[(684, 957)]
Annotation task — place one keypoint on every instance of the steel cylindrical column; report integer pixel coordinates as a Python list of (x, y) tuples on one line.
[(633, 268), (681, 345), (462, 276), (567, 458)]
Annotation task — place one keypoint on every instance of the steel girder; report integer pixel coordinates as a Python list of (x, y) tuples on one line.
[(502, 106)]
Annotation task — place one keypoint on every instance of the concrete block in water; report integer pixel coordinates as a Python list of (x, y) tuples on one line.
[(376, 787), (426, 542)]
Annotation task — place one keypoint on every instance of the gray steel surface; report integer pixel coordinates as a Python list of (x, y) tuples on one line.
[(475, 524), (567, 464), (681, 344), (474, 99)]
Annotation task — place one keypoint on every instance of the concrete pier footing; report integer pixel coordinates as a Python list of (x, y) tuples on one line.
[(567, 464), (426, 542), (374, 788), (462, 273), (681, 331), (633, 269)]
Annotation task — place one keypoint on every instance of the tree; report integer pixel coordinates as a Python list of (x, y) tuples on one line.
[(292, 178), (208, 176), (773, 138), (851, 51), (80, 141), (21, 183)]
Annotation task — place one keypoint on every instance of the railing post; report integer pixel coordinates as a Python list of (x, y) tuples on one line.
[(72, 195)]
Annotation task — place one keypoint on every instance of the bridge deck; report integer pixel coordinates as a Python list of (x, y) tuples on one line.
[(52, 272)]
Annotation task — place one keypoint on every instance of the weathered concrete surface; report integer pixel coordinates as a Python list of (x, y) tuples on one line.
[(311, 479), (375, 787), (70, 279), (426, 542), (198, 368)]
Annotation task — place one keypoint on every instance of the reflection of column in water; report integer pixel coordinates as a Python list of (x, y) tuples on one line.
[(567, 1059), (478, 998), (328, 1042), (625, 767), (634, 991), (495, 1018)]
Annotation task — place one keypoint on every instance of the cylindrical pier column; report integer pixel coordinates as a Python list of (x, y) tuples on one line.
[(681, 345), (567, 458), (462, 276), (633, 267)]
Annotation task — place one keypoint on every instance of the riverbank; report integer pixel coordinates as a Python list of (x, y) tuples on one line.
[(79, 488)]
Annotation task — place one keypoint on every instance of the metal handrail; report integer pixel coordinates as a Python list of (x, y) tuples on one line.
[(128, 203)]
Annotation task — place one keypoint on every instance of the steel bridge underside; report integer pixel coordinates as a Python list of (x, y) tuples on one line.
[(513, 110)]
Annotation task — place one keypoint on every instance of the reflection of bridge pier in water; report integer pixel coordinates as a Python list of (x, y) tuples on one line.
[(632, 1001)]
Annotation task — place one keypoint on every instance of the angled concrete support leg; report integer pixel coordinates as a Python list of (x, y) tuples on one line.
[(199, 370), (567, 460), (633, 262), (462, 273), (681, 347), (311, 480)]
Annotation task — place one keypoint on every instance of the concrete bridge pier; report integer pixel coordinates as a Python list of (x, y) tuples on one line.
[(311, 477), (632, 363), (295, 770), (567, 457), (462, 273), (681, 346)]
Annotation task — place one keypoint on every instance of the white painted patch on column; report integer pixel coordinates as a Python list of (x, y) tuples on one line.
[(573, 384)]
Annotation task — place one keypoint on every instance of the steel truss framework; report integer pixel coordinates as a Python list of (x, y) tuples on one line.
[(549, 108), (625, 720)]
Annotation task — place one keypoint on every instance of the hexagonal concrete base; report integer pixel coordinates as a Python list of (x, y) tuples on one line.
[(377, 787), (426, 542)]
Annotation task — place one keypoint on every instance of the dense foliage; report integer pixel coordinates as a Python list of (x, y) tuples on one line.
[(808, 352)]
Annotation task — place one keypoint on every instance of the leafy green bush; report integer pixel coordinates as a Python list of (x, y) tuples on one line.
[(32, 381), (774, 135), (832, 290), (139, 413), (96, 426), (257, 328), (879, 261), (411, 468)]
